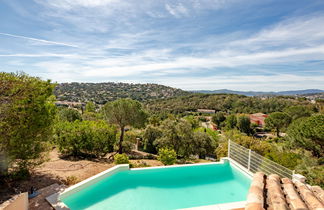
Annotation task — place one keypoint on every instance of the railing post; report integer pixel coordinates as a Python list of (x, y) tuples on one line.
[(249, 160), (229, 148)]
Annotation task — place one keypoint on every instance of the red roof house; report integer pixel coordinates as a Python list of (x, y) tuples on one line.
[(258, 118)]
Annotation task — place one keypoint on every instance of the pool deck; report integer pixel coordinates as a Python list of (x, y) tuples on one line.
[(39, 202)]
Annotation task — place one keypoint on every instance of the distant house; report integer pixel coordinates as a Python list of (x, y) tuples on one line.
[(206, 111), (258, 118)]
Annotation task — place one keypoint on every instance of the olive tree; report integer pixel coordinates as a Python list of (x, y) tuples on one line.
[(244, 124), (151, 133), (204, 144), (124, 112), (219, 118), (177, 135)]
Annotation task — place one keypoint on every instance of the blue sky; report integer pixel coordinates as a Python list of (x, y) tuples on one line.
[(256, 45)]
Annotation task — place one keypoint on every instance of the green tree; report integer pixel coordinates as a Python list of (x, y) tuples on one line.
[(278, 121), (154, 120), (193, 121), (296, 112), (308, 133), (151, 133), (313, 128), (167, 156), (231, 121), (90, 107), (218, 119), (27, 111), (178, 135), (68, 114), (125, 112), (92, 116), (204, 144), (244, 124)]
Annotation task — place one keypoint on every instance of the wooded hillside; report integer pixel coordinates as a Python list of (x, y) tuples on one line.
[(101, 93)]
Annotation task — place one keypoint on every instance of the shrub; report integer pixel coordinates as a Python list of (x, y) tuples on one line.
[(80, 138), (71, 180), (287, 159), (121, 159), (127, 146), (167, 156), (141, 164), (70, 115)]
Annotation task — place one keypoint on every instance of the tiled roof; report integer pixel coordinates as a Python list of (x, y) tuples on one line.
[(259, 115), (275, 193)]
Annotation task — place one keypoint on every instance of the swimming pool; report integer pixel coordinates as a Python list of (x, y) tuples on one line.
[(174, 187), (163, 188)]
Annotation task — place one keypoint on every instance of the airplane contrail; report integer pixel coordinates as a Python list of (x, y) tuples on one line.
[(39, 40)]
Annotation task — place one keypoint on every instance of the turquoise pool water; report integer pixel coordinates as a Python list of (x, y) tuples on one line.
[(164, 188)]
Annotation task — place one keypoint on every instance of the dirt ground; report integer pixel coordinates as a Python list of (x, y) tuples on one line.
[(63, 171), (67, 171)]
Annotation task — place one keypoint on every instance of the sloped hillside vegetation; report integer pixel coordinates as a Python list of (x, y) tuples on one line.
[(101, 93)]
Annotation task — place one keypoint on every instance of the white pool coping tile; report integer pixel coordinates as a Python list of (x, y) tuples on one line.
[(56, 203), (222, 206)]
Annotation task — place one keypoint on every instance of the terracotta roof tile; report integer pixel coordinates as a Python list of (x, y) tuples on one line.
[(275, 196), (255, 197), (273, 193), (308, 196), (292, 197), (318, 192)]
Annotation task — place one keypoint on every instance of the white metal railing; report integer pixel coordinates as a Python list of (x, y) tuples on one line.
[(254, 162)]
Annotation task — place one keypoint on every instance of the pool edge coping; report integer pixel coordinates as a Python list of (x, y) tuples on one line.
[(221, 206), (56, 202), (180, 165)]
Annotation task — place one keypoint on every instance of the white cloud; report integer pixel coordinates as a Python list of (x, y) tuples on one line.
[(146, 64), (128, 40), (122, 45), (39, 40), (136, 64), (95, 61), (41, 55), (302, 31), (71, 4), (177, 10), (246, 83)]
